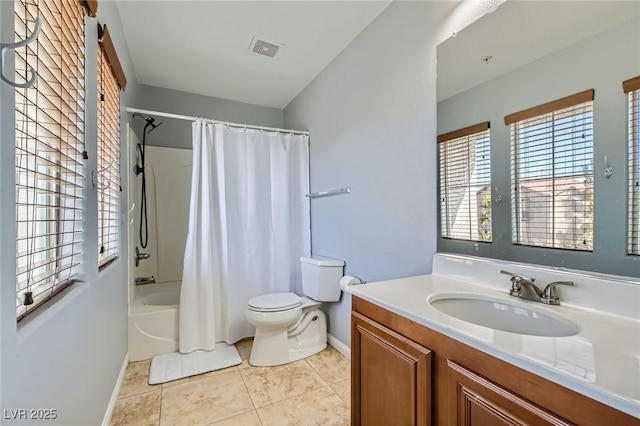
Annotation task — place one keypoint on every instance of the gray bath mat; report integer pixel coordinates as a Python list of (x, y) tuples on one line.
[(174, 366)]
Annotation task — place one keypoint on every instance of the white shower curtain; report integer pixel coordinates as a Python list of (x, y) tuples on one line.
[(248, 225)]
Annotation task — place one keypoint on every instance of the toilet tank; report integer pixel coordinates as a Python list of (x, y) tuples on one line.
[(321, 278)]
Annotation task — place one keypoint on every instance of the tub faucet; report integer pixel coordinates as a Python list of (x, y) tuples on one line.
[(141, 256), (524, 288), (145, 280)]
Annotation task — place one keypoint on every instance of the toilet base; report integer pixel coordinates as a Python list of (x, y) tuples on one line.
[(306, 337)]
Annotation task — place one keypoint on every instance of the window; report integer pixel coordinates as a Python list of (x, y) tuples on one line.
[(49, 147), (465, 183), (632, 88), (552, 173), (108, 159)]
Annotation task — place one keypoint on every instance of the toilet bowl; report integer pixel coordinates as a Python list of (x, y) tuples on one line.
[(290, 327), (286, 335)]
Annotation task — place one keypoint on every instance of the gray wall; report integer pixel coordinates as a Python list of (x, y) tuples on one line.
[(177, 133), (372, 118), (601, 62), (67, 356)]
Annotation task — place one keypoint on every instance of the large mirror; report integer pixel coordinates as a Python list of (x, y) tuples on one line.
[(563, 205)]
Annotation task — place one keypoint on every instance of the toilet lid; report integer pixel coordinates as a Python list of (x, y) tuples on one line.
[(275, 302)]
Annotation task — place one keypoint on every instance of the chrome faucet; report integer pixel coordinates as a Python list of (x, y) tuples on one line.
[(141, 256), (550, 296), (525, 288), (145, 280)]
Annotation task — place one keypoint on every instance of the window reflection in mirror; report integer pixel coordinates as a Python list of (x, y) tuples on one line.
[(527, 54)]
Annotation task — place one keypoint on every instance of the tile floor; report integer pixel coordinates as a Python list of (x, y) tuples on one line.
[(312, 391)]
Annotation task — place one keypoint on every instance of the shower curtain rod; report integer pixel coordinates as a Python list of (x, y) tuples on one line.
[(226, 123)]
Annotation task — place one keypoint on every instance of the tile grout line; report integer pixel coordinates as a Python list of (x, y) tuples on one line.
[(244, 412), (227, 417), (230, 417), (341, 381), (246, 388), (311, 369), (161, 400), (196, 377), (294, 397), (326, 382), (322, 379), (259, 418), (120, 398)]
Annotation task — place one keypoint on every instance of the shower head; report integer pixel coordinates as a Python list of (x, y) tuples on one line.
[(149, 122)]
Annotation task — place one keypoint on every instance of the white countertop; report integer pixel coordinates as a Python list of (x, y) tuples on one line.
[(602, 361)]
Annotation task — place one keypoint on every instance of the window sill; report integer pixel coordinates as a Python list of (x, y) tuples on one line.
[(50, 309), (106, 266)]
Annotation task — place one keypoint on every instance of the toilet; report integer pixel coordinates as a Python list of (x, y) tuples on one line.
[(290, 327)]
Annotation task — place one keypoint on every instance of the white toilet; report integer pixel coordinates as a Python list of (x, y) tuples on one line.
[(289, 327)]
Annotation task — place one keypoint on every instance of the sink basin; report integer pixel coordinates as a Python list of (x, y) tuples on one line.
[(493, 312)]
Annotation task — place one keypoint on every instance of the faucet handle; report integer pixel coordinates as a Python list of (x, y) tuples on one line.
[(511, 274), (515, 283), (550, 296), (516, 276)]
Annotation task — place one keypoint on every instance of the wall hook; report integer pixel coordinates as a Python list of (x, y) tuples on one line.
[(95, 179), (608, 170), (95, 176), (109, 166), (126, 216), (4, 47), (498, 198)]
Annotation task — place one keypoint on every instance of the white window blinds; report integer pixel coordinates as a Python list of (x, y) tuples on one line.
[(108, 161), (632, 88), (465, 183), (552, 173), (49, 147)]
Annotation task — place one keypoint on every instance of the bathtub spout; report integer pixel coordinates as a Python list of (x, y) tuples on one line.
[(145, 280)]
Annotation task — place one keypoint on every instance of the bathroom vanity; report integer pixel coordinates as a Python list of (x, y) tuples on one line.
[(415, 365)]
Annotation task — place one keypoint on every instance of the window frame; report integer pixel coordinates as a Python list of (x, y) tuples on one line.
[(478, 133), (631, 88), (537, 116), (109, 183), (49, 148)]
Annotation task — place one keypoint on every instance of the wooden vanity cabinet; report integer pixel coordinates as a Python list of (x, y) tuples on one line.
[(391, 376), (403, 373)]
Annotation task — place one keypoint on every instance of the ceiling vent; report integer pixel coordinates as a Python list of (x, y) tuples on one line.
[(265, 48)]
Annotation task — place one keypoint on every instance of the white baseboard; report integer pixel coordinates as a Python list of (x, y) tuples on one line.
[(339, 346), (116, 390)]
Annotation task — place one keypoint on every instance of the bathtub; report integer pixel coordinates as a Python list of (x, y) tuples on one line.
[(153, 320)]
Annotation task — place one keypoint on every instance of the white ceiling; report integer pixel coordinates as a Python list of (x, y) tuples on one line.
[(519, 32), (202, 46)]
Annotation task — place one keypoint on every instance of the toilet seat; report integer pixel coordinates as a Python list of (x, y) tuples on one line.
[(275, 302)]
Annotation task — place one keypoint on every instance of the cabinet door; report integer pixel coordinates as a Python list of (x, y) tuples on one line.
[(390, 378), (475, 401)]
